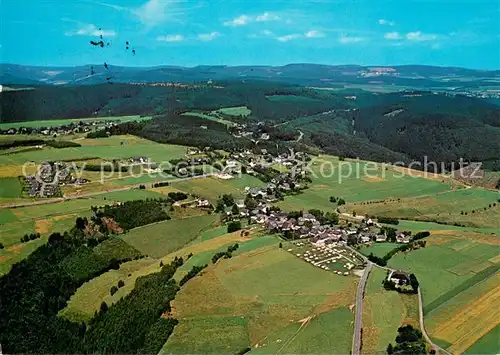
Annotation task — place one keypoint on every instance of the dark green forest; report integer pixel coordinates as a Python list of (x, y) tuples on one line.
[(37, 288), (392, 127)]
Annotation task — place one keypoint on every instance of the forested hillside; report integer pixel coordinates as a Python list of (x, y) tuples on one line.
[(402, 126)]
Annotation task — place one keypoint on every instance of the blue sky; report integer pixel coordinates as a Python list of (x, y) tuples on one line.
[(462, 33)]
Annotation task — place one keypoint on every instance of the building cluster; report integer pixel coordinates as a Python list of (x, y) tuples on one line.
[(83, 126), (48, 179), (307, 226)]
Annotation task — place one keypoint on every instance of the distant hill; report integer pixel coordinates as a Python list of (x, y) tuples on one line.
[(416, 76), (399, 126)]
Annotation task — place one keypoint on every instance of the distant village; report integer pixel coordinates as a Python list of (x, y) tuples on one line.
[(83, 126)]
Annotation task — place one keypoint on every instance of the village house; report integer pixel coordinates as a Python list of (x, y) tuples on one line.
[(399, 277), (240, 203), (401, 237), (139, 160), (365, 237), (202, 202)]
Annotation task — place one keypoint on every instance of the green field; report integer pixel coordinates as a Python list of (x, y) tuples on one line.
[(488, 344), (446, 269), (130, 195), (209, 117), (355, 182), (378, 249), (235, 111), (418, 226), (10, 187), (328, 333), (165, 237), (212, 188), (476, 208), (259, 295), (63, 122), (383, 312), (105, 148)]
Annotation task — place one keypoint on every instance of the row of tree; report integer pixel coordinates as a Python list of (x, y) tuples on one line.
[(225, 254)]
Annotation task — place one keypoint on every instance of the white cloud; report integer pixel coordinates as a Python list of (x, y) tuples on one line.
[(153, 12), (91, 30), (244, 20), (420, 37), (208, 36), (238, 21), (287, 38), (266, 16), (170, 38), (314, 34), (348, 40), (392, 35), (386, 22), (267, 33)]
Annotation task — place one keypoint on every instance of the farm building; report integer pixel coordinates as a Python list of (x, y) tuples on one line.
[(399, 277)]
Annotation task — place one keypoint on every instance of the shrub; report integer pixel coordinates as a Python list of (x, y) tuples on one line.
[(113, 290), (233, 226)]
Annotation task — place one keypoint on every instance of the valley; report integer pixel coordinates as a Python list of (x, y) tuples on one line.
[(256, 217)]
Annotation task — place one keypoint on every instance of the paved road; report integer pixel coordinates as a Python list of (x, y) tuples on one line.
[(90, 194), (358, 322)]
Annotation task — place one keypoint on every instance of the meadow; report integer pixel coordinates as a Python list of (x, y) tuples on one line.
[(358, 181), (67, 121), (165, 237), (210, 117), (487, 344), (384, 312), (212, 188), (244, 308), (90, 295), (473, 207), (378, 249), (103, 148), (10, 187), (239, 111)]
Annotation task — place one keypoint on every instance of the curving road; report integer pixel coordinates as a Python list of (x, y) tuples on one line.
[(358, 322), (90, 194)]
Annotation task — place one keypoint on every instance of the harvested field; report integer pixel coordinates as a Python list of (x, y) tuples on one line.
[(468, 316), (467, 326)]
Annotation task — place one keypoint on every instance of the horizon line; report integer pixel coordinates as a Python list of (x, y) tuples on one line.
[(254, 65)]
